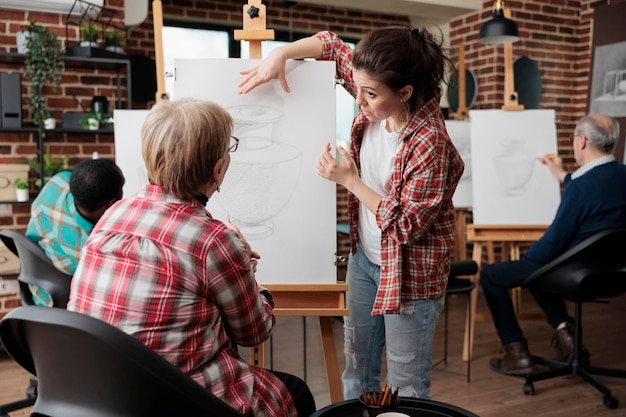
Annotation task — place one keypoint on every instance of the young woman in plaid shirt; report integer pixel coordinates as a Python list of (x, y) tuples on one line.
[(159, 267), (401, 173)]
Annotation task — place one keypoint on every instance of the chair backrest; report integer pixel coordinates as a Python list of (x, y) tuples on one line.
[(595, 268), (88, 368), (37, 269)]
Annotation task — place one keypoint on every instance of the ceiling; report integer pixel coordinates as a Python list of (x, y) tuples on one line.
[(421, 12)]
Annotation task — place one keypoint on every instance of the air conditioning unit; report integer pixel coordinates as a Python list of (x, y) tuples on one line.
[(48, 6)]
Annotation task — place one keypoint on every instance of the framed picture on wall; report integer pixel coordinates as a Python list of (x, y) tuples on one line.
[(607, 83)]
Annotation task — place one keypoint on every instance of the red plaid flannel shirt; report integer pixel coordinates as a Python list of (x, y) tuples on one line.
[(416, 217), (162, 270)]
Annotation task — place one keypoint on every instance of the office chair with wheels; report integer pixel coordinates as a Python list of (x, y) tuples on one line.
[(88, 368), (458, 286), (35, 268), (592, 271)]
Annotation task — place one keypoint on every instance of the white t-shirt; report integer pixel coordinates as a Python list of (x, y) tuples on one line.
[(378, 152)]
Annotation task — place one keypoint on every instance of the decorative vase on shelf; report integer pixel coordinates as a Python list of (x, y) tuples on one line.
[(49, 123), (21, 194), (116, 49), (89, 44), (93, 124)]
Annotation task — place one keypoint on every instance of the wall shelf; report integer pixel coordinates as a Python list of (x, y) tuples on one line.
[(90, 63), (116, 64)]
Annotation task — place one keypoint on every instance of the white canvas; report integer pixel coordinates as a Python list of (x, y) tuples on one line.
[(510, 185), (127, 132), (459, 131), (272, 191)]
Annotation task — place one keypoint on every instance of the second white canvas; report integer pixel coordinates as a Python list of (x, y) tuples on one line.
[(510, 185)]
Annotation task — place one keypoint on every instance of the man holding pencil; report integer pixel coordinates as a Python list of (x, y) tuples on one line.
[(593, 199)]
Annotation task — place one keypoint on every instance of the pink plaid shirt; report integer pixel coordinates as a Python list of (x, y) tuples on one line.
[(416, 217), (164, 271)]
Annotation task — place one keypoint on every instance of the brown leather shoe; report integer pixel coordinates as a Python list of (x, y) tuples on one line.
[(563, 342), (516, 360)]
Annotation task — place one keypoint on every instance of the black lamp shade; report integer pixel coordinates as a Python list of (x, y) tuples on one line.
[(498, 30)]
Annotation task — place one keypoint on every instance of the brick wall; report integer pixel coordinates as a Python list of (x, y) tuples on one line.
[(557, 35)]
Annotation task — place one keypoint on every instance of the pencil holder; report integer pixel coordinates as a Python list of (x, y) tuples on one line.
[(373, 406)]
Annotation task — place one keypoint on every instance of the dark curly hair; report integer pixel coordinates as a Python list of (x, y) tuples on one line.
[(94, 183)]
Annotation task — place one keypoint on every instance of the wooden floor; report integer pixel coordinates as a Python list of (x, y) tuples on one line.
[(487, 395)]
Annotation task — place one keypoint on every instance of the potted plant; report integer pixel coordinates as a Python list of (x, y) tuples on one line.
[(21, 189), (112, 40), (90, 34), (44, 63), (92, 120), (51, 165)]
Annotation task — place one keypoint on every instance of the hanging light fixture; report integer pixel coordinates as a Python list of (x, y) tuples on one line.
[(499, 29)]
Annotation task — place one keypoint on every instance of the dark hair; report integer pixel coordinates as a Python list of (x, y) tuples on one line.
[(399, 56), (94, 183)]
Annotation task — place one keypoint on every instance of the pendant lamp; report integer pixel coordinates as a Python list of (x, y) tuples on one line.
[(499, 29)]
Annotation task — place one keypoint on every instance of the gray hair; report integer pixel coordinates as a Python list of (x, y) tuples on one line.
[(601, 131)]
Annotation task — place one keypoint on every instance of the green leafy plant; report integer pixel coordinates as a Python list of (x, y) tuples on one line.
[(21, 183), (90, 32), (95, 115), (44, 65), (112, 37), (51, 164)]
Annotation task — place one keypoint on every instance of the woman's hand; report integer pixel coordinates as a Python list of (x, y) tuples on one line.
[(272, 67), (254, 255), (340, 172)]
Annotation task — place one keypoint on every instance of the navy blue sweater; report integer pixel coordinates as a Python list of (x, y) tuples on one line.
[(592, 202)]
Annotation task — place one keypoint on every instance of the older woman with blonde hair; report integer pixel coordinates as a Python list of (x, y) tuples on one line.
[(159, 267)]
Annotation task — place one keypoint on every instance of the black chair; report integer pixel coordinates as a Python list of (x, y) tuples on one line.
[(458, 286), (88, 368), (592, 271), (408, 406), (35, 268)]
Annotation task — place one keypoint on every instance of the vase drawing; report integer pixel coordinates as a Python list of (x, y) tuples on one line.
[(263, 172), (514, 167)]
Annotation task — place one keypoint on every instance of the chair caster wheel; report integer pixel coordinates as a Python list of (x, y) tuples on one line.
[(529, 388), (611, 402)]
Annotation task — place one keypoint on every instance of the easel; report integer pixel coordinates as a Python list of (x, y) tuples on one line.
[(297, 300), (510, 95), (317, 300), (511, 238), (157, 23), (461, 110)]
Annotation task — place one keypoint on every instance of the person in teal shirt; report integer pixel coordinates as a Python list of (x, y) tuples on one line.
[(67, 208)]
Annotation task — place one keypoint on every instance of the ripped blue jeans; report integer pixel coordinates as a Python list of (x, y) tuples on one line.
[(408, 337)]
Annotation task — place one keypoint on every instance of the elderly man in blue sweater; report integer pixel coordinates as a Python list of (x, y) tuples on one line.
[(594, 199)]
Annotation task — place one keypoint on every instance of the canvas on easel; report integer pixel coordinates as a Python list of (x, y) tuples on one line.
[(510, 185), (459, 132), (272, 191)]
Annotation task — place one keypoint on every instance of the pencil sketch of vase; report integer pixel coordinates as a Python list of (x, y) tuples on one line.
[(263, 172), (514, 167)]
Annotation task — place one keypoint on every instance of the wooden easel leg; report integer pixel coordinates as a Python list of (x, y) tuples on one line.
[(330, 359), (257, 355)]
